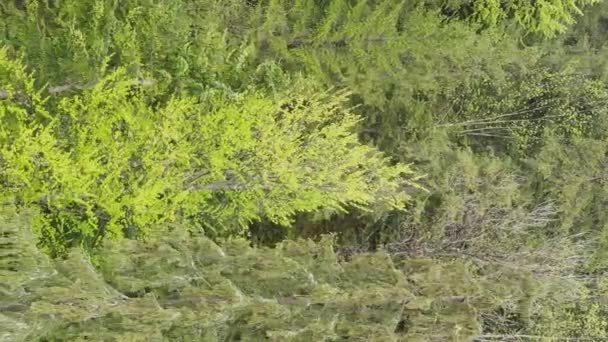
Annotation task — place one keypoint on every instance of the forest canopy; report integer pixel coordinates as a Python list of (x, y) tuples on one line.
[(303, 170)]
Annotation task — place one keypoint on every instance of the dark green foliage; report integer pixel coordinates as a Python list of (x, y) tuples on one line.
[(543, 17), (187, 287), (158, 120), (404, 65), (516, 117), (73, 42)]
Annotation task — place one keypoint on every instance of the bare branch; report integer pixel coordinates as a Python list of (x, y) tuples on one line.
[(65, 88)]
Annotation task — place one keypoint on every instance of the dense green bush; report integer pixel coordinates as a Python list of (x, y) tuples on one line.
[(184, 287), (175, 123), (107, 163), (403, 65), (547, 18), (182, 45)]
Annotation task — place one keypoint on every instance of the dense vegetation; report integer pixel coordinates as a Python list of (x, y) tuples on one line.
[(303, 170)]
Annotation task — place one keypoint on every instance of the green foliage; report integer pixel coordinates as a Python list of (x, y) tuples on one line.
[(517, 117), (184, 287), (107, 163), (182, 46), (160, 120), (189, 288), (583, 46), (547, 17), (406, 67), (582, 316)]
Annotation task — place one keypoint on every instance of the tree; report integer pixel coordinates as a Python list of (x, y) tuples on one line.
[(107, 163), (183, 45), (548, 17), (406, 67), (184, 286)]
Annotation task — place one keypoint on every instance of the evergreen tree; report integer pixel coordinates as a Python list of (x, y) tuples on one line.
[(407, 67), (107, 163), (548, 17), (184, 287), (186, 126), (182, 45)]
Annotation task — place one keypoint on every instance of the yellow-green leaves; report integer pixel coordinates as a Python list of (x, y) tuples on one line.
[(107, 164)]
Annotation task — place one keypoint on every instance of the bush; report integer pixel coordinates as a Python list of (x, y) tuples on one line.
[(107, 163)]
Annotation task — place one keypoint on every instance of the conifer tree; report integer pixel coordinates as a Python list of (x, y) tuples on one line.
[(406, 66), (548, 17), (106, 163), (184, 46), (185, 287), (177, 124)]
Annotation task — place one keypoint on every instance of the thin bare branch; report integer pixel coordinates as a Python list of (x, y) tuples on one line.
[(65, 88)]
